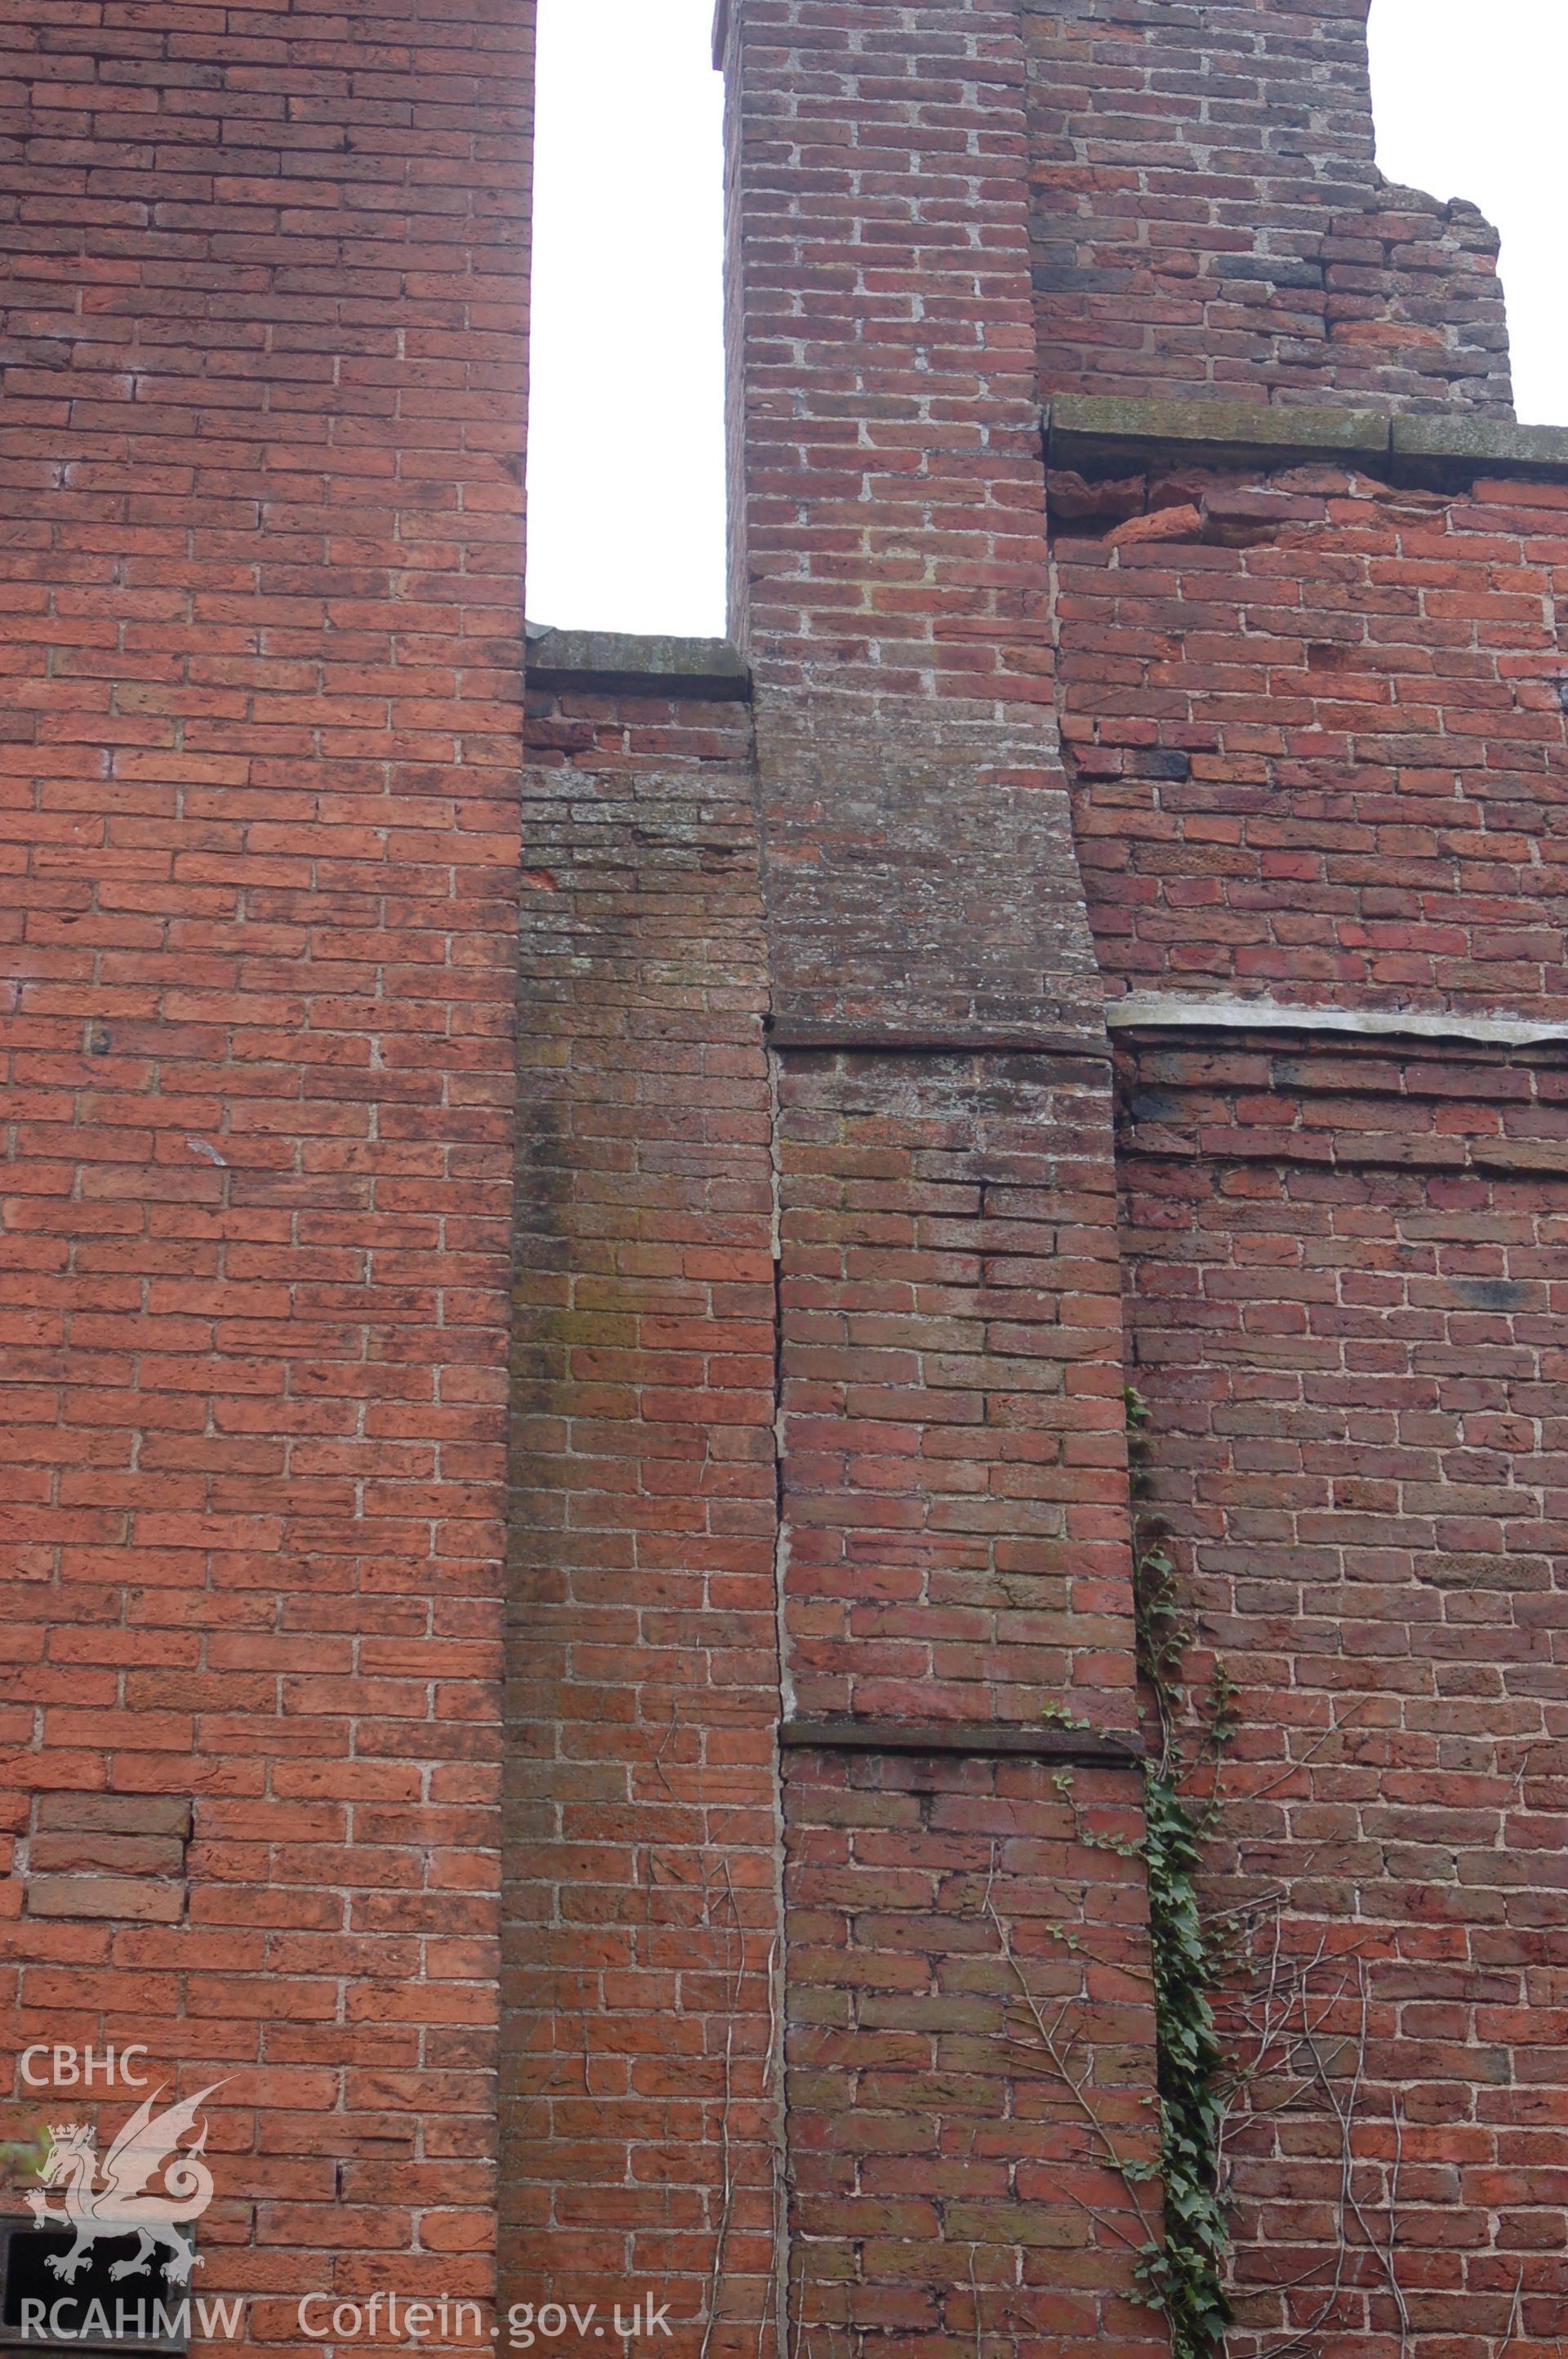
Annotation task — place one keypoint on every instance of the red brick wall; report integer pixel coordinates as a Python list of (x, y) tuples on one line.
[(640, 2100), (1207, 218), (956, 1549), (1314, 726), (955, 1535), (1316, 731), (821, 1288), (955, 1476), (882, 370), (946, 2191), (265, 291), (1342, 1264)]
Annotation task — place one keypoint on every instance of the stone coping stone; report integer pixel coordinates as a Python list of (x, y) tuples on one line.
[(1220, 426), (1484, 442), (1424, 449), (659, 666), (1158, 1011)]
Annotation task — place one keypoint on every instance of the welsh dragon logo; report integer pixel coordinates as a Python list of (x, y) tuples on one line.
[(112, 2198)]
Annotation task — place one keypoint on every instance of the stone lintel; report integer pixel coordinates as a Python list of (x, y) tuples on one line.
[(1484, 445), (794, 1034), (1081, 425), (1159, 1011)]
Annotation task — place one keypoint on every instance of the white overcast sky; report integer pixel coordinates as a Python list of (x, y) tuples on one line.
[(626, 472)]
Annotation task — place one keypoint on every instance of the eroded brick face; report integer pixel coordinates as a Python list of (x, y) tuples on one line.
[(830, 1955), (643, 1919), (954, 1540), (1206, 217)]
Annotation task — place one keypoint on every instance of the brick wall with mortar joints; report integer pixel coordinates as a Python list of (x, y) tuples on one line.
[(884, 407), (956, 1547), (640, 2091), (1343, 1269), (1208, 217), (955, 1465), (947, 2192), (890, 521), (892, 585), (1317, 734), (265, 307)]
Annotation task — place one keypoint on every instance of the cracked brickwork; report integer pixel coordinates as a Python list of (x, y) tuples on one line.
[(1317, 738)]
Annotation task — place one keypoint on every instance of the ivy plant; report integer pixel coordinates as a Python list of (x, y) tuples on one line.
[(1183, 2277)]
